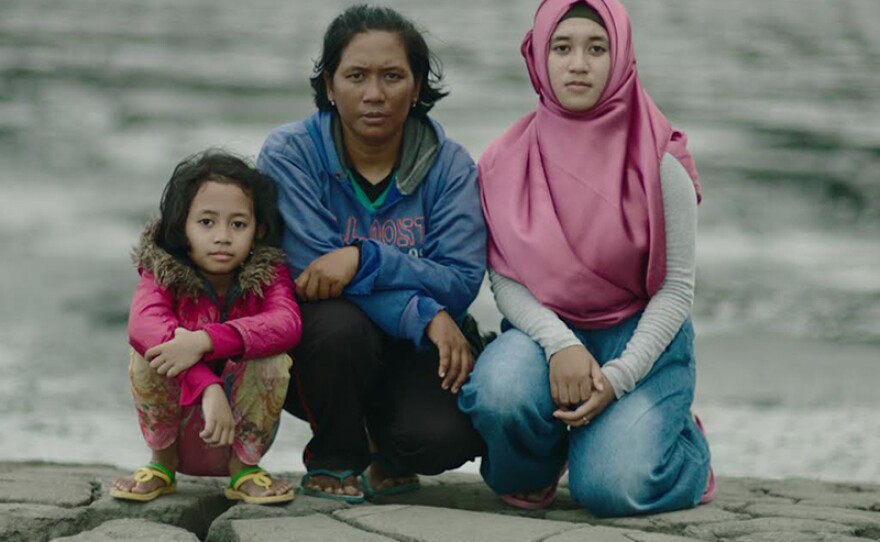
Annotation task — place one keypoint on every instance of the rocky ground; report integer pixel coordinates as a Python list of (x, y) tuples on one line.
[(41, 502)]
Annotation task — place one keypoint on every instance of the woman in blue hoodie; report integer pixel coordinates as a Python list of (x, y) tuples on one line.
[(386, 239)]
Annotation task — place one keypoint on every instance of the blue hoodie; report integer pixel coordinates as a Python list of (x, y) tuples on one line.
[(422, 251)]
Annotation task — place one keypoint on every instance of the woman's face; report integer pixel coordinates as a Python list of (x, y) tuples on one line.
[(578, 63), (373, 87)]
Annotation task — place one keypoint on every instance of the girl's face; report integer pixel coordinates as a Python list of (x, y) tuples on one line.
[(220, 228), (578, 63), (373, 87)]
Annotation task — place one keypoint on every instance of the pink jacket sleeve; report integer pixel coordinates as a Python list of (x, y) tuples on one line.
[(151, 322), (193, 382), (226, 340), (277, 328)]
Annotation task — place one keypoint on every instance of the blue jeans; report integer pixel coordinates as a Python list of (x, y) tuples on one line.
[(643, 454)]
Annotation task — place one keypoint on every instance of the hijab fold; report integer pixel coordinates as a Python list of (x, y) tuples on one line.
[(573, 201)]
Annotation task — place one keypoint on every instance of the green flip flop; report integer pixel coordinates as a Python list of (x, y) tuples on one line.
[(144, 475), (371, 492)]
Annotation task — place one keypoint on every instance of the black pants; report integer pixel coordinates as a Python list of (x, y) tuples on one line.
[(348, 375)]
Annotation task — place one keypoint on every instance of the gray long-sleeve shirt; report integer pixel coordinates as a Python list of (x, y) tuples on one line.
[(665, 312)]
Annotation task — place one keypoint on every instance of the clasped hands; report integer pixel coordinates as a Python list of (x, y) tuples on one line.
[(578, 386)]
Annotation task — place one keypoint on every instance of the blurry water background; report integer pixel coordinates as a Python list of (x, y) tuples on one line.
[(99, 99)]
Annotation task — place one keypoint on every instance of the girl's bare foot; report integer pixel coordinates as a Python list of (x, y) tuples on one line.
[(128, 484), (250, 487), (167, 457)]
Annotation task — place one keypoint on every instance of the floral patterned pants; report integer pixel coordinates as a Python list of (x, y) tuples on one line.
[(255, 388)]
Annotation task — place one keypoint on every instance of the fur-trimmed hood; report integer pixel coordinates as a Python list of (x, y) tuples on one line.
[(183, 279)]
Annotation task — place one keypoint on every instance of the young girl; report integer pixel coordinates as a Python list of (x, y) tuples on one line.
[(210, 322), (591, 204)]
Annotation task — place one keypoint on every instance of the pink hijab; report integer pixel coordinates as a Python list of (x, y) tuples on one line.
[(573, 201)]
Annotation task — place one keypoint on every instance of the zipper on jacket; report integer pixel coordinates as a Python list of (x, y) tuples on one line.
[(233, 294)]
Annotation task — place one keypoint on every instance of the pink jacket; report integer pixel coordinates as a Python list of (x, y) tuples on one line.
[(258, 317)]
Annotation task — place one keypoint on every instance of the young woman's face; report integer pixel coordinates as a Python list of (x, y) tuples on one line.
[(373, 87), (578, 63), (220, 228)]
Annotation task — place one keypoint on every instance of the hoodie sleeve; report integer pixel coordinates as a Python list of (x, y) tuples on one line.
[(311, 230), (400, 313), (453, 261)]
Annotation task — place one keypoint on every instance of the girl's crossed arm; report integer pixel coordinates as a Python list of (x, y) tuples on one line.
[(153, 326)]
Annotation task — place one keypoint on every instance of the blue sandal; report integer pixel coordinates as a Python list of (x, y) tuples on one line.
[(341, 476), (369, 492)]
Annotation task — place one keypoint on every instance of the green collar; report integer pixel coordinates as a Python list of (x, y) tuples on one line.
[(371, 206)]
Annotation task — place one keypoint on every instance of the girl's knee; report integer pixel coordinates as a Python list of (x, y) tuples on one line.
[(148, 386), (634, 477), (139, 370), (276, 367), (609, 492), (510, 376), (268, 369), (493, 403), (260, 387)]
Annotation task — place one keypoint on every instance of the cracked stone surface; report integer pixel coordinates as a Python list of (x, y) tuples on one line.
[(42, 502), (432, 524), (132, 530), (38, 522), (315, 528)]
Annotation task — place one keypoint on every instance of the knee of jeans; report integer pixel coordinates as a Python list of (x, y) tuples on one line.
[(509, 379), (502, 405), (498, 402), (621, 472), (611, 492)]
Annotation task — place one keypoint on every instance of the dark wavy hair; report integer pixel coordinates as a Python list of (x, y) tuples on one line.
[(361, 18), (223, 167)]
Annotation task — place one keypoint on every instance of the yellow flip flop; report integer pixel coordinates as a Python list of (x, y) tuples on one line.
[(144, 475), (262, 479)]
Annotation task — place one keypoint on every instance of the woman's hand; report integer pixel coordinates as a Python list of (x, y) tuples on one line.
[(180, 353), (601, 396), (456, 358), (219, 424), (326, 276), (570, 370)]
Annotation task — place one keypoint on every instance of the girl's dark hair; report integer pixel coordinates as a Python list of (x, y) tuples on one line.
[(222, 167), (357, 19)]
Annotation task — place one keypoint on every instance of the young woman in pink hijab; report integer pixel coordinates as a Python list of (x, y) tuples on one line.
[(590, 202)]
